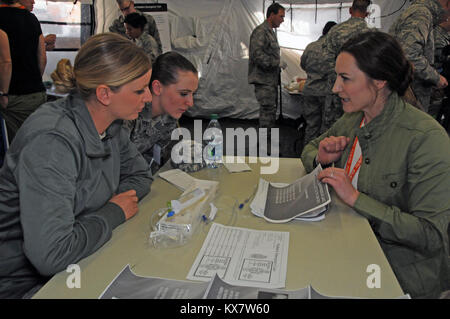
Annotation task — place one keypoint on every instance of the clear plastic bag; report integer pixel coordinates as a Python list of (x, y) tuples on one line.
[(175, 228)]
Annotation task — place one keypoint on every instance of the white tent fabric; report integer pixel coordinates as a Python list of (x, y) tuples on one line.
[(214, 35)]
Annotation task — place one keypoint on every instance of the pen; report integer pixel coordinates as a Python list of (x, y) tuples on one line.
[(248, 198)]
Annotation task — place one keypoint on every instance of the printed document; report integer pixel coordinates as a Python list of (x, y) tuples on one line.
[(305, 199), (243, 257), (128, 285)]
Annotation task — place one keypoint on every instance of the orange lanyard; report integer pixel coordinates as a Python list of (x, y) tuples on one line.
[(10, 6), (350, 158)]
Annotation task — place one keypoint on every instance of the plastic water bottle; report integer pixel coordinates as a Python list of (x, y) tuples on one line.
[(214, 149)]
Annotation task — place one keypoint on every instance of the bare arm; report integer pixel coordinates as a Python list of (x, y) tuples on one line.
[(41, 54), (5, 67)]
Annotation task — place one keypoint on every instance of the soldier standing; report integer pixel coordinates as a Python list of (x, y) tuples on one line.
[(332, 44), (315, 85), (414, 30), (127, 7), (264, 65), (134, 25), (441, 40)]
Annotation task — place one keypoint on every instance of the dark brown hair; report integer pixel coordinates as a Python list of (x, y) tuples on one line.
[(380, 56)]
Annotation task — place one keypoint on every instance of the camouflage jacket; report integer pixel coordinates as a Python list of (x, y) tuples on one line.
[(312, 63), (149, 44), (335, 39), (264, 56), (150, 28), (441, 40), (146, 132), (414, 30)]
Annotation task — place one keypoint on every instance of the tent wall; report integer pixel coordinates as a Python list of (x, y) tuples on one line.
[(214, 35)]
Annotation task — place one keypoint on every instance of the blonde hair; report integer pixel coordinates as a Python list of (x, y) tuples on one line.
[(108, 59)]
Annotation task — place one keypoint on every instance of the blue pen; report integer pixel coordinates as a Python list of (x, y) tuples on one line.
[(248, 198)]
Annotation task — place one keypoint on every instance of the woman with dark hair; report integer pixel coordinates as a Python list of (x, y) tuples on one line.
[(134, 29), (392, 162), (173, 84)]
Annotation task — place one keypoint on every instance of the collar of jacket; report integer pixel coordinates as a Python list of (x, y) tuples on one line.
[(146, 114), (392, 109), (435, 8), (94, 145), (268, 27)]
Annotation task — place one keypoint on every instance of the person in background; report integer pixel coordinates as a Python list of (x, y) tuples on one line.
[(173, 84), (264, 66), (25, 90), (314, 90), (5, 68), (333, 42), (414, 30), (441, 40), (127, 7), (71, 175), (134, 26), (392, 162), (49, 39)]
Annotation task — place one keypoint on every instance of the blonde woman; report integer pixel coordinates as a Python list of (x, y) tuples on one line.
[(72, 175)]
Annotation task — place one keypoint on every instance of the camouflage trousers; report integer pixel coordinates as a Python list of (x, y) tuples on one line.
[(267, 98), (332, 111), (312, 109)]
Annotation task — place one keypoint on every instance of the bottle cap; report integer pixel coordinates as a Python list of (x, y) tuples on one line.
[(214, 116)]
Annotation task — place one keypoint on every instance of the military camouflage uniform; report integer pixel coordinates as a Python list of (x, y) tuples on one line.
[(146, 132), (414, 30), (313, 94), (441, 40), (334, 40), (264, 71), (150, 28), (148, 43)]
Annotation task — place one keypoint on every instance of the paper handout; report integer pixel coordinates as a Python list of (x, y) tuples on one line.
[(305, 199), (243, 256)]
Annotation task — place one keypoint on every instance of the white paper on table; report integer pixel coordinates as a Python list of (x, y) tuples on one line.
[(237, 167), (235, 164), (177, 177), (243, 257)]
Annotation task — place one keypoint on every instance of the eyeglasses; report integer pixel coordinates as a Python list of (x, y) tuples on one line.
[(126, 8)]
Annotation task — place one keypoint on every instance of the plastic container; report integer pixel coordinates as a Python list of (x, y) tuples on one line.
[(214, 151), (187, 200)]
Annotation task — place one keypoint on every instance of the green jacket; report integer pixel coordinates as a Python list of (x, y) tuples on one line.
[(404, 183)]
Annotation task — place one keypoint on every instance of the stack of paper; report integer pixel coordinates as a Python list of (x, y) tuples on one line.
[(305, 199)]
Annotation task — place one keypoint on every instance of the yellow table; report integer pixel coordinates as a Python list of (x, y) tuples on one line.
[(331, 255)]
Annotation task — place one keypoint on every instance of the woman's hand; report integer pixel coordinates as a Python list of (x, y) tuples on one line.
[(331, 148), (339, 180), (128, 201)]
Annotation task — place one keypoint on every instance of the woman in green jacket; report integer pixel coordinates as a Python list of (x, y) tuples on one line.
[(392, 162)]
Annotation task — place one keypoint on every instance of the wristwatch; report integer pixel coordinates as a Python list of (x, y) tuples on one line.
[(3, 93)]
